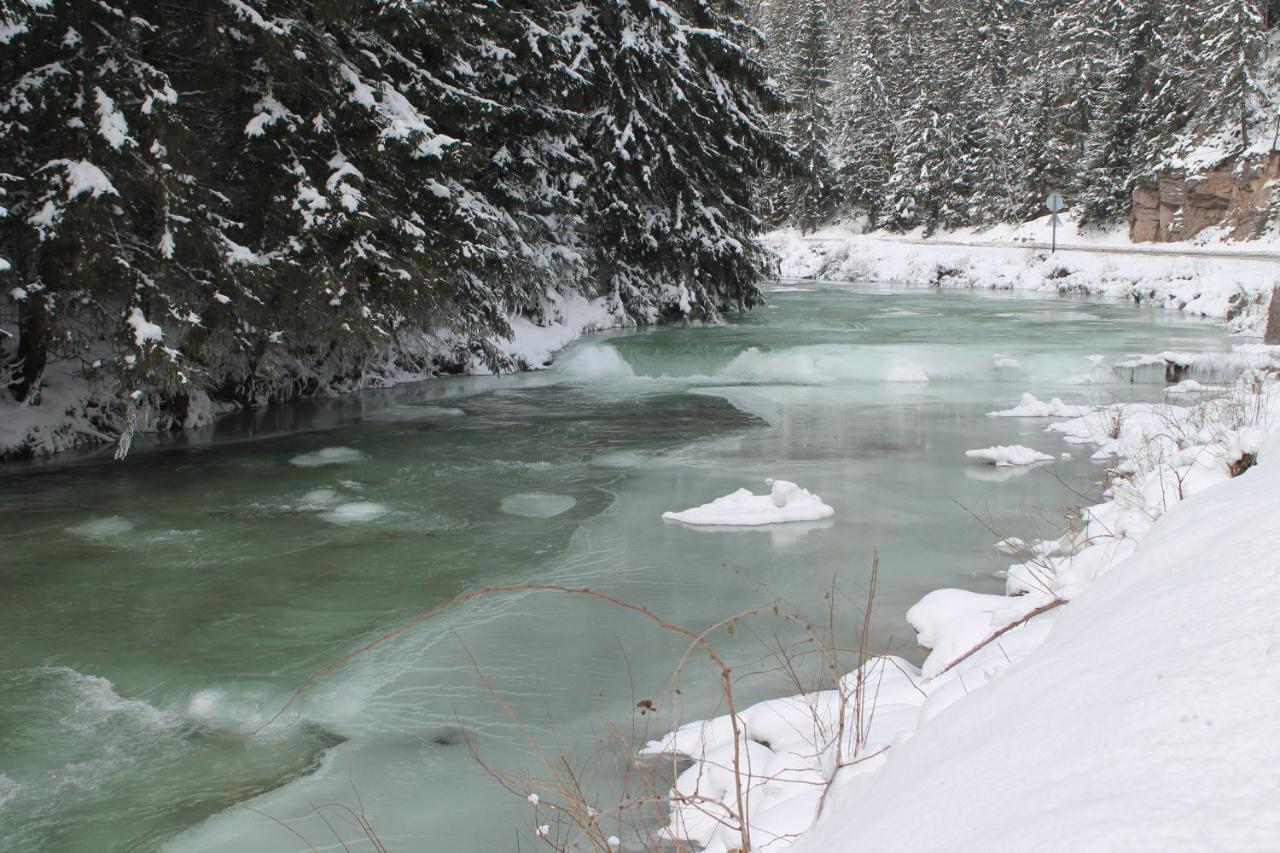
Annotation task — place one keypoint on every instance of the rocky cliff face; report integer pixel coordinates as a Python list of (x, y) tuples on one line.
[(1236, 195)]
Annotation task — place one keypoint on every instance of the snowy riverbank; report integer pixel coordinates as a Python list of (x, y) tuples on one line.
[(1135, 717), (73, 410), (1224, 281)]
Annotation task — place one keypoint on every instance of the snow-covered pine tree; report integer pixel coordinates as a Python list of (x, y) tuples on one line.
[(866, 119), (677, 140), (1114, 141), (814, 190), (1175, 94), (1233, 37)]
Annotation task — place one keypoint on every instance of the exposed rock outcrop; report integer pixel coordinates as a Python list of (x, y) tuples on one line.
[(1237, 195)]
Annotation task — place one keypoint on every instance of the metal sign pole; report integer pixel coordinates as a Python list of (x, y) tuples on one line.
[(1053, 203)]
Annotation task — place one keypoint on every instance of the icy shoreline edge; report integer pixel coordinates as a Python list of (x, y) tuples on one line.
[(1132, 718), (73, 413)]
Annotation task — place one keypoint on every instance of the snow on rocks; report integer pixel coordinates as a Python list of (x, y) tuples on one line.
[(786, 502), (328, 456), (1004, 456), (1030, 407)]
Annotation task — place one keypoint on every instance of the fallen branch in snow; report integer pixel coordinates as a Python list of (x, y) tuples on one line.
[(1044, 608)]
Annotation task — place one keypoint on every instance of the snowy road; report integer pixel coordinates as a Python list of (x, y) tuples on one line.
[(1063, 247)]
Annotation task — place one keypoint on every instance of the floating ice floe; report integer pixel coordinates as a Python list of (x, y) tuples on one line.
[(356, 512), (1005, 455), (102, 528), (327, 456), (1030, 407), (785, 502), (415, 413), (537, 504)]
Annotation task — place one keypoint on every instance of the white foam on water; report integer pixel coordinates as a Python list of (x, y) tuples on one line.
[(95, 701), (319, 498), (596, 362), (327, 456), (102, 528), (356, 512), (9, 789), (537, 504)]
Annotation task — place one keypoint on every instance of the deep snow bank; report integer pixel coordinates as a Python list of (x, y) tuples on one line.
[(1221, 282), (1136, 717)]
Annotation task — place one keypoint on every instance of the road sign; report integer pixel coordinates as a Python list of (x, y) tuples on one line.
[(1053, 202), (1057, 221)]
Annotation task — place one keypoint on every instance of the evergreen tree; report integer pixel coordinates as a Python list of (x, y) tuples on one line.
[(814, 188), (1233, 35), (677, 141)]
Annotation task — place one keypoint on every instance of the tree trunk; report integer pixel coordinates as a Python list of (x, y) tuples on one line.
[(1272, 335), (33, 338)]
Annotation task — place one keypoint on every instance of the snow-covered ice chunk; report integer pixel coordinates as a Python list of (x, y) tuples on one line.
[(1006, 455), (102, 528), (1030, 407), (537, 504), (327, 456), (356, 512), (785, 502)]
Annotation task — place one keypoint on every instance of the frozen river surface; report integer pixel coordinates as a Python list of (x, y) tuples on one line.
[(153, 612)]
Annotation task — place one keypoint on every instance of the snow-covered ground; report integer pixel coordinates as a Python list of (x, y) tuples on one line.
[(73, 410), (1225, 281), (1118, 697)]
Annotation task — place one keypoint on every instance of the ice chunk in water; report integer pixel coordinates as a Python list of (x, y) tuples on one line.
[(620, 459), (327, 456), (355, 512), (102, 528), (537, 504), (785, 502), (1003, 456)]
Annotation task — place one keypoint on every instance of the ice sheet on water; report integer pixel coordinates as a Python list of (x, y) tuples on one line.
[(537, 504), (619, 459), (416, 413), (786, 502), (356, 512), (327, 456), (102, 528)]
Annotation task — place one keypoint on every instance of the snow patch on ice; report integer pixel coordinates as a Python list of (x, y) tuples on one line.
[(1007, 455), (786, 502), (1030, 407)]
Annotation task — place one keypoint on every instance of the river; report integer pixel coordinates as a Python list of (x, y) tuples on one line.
[(155, 611)]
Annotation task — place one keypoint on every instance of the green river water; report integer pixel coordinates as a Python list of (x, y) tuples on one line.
[(154, 611)]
